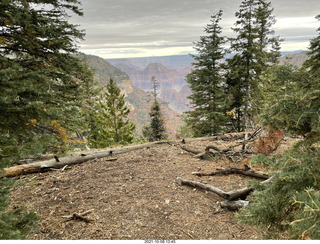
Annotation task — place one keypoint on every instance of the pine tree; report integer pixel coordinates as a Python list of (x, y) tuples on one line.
[(314, 53), (14, 224), (41, 88), (207, 115), (156, 131), (256, 50), (280, 82), (111, 125), (40, 78), (291, 201)]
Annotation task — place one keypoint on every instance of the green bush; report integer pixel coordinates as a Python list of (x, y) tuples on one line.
[(291, 201)]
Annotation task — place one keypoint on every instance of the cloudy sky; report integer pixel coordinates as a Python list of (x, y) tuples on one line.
[(141, 28)]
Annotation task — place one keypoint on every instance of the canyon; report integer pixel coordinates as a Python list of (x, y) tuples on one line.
[(138, 100), (133, 76)]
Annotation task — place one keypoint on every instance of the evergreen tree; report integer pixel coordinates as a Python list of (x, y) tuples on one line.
[(40, 78), (314, 53), (14, 224), (207, 115), (256, 50), (280, 82), (291, 201), (41, 88), (156, 131), (111, 125)]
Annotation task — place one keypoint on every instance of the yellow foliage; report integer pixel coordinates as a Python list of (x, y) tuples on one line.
[(3, 40), (33, 122), (63, 132), (232, 113)]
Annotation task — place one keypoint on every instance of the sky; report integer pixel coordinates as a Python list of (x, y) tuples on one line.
[(143, 28)]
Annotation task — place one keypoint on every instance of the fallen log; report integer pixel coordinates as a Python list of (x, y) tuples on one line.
[(46, 165), (203, 186), (40, 166), (241, 193), (227, 171), (231, 195)]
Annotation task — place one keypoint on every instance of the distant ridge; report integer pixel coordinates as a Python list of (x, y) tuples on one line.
[(170, 72), (171, 62), (174, 61), (295, 58)]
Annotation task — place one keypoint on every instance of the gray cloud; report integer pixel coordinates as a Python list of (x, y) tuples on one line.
[(119, 28)]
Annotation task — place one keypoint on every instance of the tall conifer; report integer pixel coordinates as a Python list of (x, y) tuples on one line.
[(156, 131), (41, 88), (255, 50), (40, 78), (207, 115), (109, 118), (291, 201)]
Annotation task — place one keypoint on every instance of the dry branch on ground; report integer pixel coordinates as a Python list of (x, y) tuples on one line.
[(227, 171)]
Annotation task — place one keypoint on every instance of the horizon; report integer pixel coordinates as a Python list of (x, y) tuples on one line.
[(282, 54), (149, 28)]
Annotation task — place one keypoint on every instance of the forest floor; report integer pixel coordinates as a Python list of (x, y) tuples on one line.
[(134, 197)]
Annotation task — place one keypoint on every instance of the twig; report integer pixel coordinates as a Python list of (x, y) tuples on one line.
[(257, 131), (64, 168), (79, 216), (187, 233)]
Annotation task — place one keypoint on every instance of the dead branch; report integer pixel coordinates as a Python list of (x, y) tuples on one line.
[(225, 137), (190, 150), (79, 216), (227, 171), (231, 195), (228, 152), (255, 133), (203, 186), (234, 205)]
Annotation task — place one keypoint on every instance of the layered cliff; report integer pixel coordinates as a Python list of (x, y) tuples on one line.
[(137, 100)]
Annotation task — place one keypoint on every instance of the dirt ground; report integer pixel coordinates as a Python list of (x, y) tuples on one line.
[(135, 197)]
